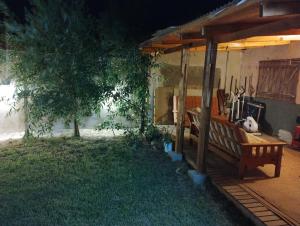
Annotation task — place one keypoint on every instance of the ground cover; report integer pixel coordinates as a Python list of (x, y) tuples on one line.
[(65, 181)]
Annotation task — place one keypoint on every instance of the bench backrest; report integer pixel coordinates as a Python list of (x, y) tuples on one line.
[(225, 136)]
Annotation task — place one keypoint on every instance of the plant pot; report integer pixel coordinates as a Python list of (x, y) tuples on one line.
[(168, 146)]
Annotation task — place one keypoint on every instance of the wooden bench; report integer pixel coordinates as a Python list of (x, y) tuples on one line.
[(233, 144)]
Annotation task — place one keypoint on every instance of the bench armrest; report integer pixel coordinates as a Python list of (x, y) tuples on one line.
[(257, 145), (262, 144), (262, 149)]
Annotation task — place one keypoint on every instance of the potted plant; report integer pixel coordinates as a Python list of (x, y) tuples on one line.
[(167, 140)]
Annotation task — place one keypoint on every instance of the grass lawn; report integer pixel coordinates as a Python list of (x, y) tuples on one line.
[(102, 182)]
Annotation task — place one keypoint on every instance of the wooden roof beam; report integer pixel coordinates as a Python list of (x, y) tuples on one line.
[(192, 35), (273, 28), (174, 42), (211, 31), (279, 8), (185, 46)]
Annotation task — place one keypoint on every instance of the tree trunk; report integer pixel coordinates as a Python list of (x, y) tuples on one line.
[(143, 116), (26, 120), (76, 128)]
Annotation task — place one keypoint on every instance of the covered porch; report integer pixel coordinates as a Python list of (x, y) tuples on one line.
[(265, 199), (260, 196), (240, 25)]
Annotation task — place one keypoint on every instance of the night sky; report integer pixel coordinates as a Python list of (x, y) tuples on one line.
[(143, 16)]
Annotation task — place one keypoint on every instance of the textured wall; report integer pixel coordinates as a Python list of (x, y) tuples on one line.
[(165, 82), (197, 60), (172, 75), (279, 114), (251, 57)]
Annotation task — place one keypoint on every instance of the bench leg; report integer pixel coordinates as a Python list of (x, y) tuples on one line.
[(242, 166), (277, 168), (278, 164), (242, 170)]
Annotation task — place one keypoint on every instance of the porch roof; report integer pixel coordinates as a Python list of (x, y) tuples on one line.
[(237, 25)]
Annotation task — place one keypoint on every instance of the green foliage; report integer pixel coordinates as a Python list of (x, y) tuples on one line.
[(131, 73), (166, 136), (68, 65), (134, 139), (128, 69), (59, 63), (152, 133)]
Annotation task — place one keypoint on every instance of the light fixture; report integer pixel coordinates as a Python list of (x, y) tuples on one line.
[(289, 37)]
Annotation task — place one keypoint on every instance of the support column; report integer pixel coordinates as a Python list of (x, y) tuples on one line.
[(181, 101), (207, 92)]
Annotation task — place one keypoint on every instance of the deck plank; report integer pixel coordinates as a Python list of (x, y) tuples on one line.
[(269, 218), (234, 190), (247, 201), (242, 197), (238, 193), (257, 209), (256, 204), (264, 213), (276, 223)]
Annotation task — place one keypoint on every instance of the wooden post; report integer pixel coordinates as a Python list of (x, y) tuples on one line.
[(207, 92), (181, 101)]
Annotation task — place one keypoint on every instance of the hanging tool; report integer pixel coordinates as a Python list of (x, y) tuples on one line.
[(241, 93), (219, 97), (226, 70), (251, 88), (244, 94), (228, 98)]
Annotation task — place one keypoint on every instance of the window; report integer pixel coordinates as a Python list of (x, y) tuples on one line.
[(278, 79)]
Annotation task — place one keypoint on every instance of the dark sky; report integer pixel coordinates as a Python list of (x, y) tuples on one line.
[(145, 16)]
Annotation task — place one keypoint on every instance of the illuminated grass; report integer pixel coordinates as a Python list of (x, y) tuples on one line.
[(102, 182)]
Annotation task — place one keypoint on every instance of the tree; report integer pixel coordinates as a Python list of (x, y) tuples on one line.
[(134, 104), (129, 68), (59, 63), (67, 63)]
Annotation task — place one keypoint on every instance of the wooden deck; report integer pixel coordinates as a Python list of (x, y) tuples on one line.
[(261, 197), (255, 207)]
